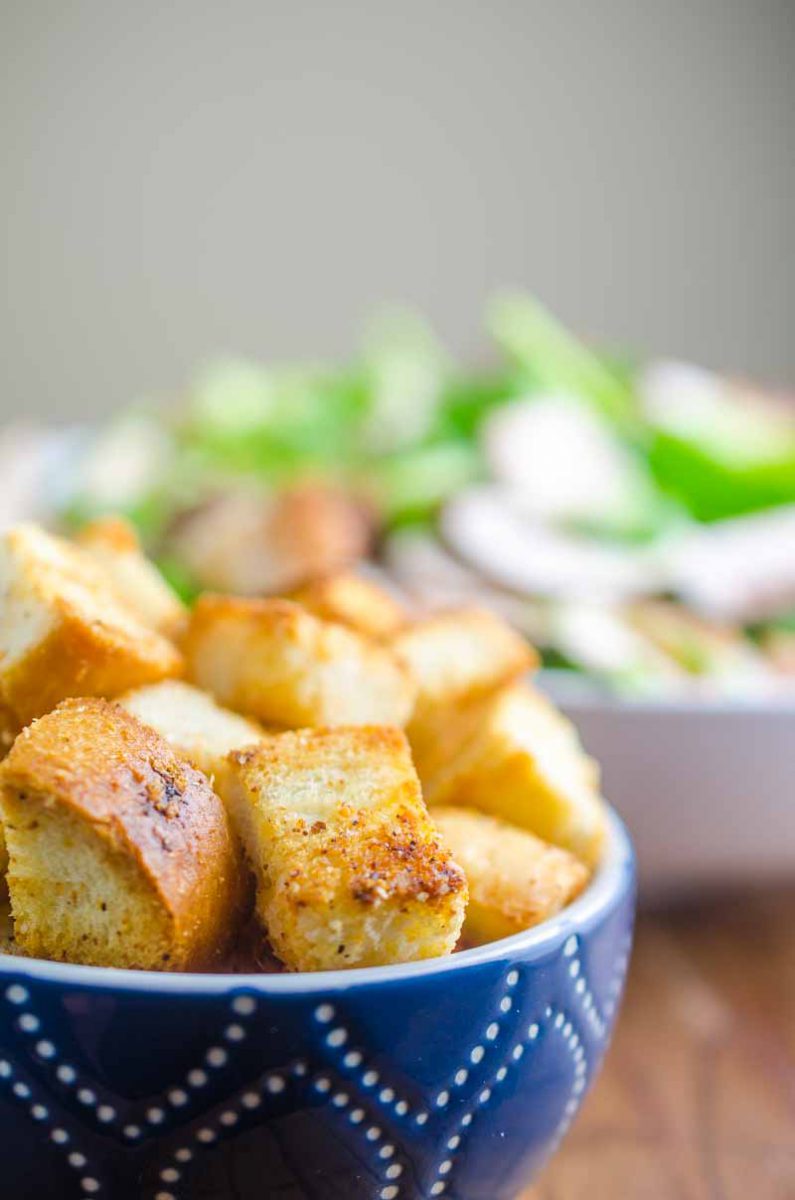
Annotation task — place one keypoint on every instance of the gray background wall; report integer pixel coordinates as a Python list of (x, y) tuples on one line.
[(181, 178)]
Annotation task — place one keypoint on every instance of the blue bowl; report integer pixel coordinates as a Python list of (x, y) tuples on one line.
[(456, 1077)]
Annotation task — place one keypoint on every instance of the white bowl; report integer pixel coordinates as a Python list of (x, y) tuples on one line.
[(707, 788)]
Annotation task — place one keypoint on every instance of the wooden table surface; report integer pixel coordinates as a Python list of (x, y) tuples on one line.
[(696, 1100)]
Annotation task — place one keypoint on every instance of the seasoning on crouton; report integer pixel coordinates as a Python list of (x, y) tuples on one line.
[(515, 756), (120, 854), (515, 880), (113, 544), (457, 655), (63, 631), (355, 601), (350, 870), (275, 661), (193, 724)]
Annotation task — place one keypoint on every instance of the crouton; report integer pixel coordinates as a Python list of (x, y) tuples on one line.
[(513, 755), (355, 601), (63, 631), (254, 543), (272, 660), (515, 880), (120, 854), (193, 724), (457, 655), (113, 544), (350, 871)]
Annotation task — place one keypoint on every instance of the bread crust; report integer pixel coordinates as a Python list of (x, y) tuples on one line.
[(124, 785)]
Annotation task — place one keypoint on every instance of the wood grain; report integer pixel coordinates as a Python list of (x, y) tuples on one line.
[(697, 1097)]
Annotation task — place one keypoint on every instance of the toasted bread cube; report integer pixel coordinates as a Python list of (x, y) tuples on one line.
[(197, 728), (457, 655), (252, 542), (120, 853), (63, 631), (113, 544), (274, 661), (350, 870), (515, 880), (513, 755), (355, 601)]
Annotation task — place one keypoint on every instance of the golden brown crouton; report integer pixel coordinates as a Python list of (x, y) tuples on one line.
[(63, 631), (457, 655), (355, 601), (254, 543), (120, 854), (512, 754), (190, 721), (515, 880), (273, 660), (113, 544), (350, 871)]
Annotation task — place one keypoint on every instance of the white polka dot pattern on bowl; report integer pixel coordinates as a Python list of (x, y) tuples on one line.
[(377, 1111)]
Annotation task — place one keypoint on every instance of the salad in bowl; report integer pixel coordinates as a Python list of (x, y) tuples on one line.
[(636, 520)]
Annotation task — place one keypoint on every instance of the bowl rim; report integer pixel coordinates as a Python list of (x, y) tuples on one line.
[(614, 877)]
